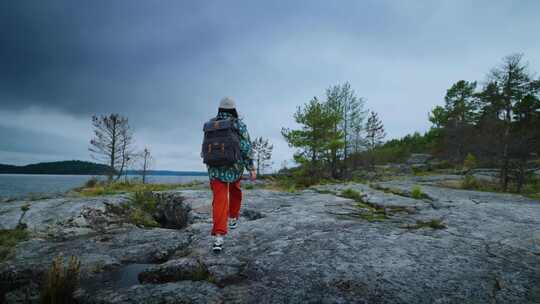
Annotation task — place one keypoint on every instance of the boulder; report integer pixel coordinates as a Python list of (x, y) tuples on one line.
[(486, 174), (172, 211)]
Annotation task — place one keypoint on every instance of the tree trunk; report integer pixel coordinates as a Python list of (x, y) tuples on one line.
[(145, 165), (504, 169), (113, 151)]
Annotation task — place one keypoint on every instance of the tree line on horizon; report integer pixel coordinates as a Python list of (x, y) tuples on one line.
[(498, 122)]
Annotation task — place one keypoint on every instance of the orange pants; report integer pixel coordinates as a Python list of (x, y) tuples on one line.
[(225, 205)]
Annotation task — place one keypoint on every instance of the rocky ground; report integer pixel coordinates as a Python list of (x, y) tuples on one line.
[(313, 246)]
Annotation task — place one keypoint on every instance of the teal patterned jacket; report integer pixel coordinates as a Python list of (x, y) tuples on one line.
[(229, 174)]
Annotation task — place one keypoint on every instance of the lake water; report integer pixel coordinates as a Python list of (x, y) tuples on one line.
[(22, 185)]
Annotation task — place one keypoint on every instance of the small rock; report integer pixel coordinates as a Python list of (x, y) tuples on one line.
[(251, 214)]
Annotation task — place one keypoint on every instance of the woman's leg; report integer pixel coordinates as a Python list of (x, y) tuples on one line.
[(235, 199), (220, 206)]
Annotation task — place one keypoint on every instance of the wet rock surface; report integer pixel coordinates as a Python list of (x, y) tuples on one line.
[(301, 247)]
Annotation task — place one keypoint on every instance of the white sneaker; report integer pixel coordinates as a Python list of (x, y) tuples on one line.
[(218, 244), (233, 223)]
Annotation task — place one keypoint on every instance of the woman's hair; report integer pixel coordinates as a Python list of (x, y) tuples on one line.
[(230, 111)]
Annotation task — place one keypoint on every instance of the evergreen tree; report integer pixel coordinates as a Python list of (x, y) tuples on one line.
[(461, 105), (348, 119), (511, 97), (315, 138), (375, 135)]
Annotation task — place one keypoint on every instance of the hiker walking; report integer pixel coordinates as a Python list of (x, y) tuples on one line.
[(226, 151)]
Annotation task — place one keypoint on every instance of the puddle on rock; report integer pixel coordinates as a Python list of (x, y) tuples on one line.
[(122, 277)]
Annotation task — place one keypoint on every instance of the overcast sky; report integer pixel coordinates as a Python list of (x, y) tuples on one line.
[(166, 65)]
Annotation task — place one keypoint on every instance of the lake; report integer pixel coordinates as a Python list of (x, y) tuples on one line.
[(23, 185)]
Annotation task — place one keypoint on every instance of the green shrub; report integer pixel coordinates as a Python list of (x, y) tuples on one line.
[(144, 200), (91, 183), (470, 182), (417, 193), (470, 162), (143, 219), (532, 189), (142, 206), (61, 282), (249, 187)]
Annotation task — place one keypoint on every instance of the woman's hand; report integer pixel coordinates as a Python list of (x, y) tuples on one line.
[(253, 174)]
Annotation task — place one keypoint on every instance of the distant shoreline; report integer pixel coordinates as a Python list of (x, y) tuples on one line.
[(168, 173), (77, 167)]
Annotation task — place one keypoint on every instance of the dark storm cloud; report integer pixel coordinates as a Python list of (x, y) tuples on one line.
[(165, 64)]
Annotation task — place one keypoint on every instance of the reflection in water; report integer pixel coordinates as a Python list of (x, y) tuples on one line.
[(122, 277)]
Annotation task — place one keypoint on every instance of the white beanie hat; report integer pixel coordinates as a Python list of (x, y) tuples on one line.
[(227, 103)]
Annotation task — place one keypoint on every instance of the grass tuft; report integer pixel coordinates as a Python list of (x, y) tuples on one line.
[(283, 183), (9, 238), (370, 212), (61, 282), (416, 193), (469, 182), (352, 194), (139, 210), (104, 188)]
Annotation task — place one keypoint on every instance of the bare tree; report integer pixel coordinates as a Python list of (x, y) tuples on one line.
[(263, 153), (147, 161), (112, 142)]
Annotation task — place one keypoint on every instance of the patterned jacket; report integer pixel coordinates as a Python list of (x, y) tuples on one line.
[(229, 174)]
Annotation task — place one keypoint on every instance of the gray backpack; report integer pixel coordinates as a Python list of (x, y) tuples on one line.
[(221, 144)]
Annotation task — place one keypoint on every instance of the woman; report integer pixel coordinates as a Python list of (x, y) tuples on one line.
[(225, 179)]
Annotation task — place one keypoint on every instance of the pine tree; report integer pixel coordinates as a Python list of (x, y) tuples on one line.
[(375, 135), (310, 139), (511, 98), (348, 120), (316, 139)]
